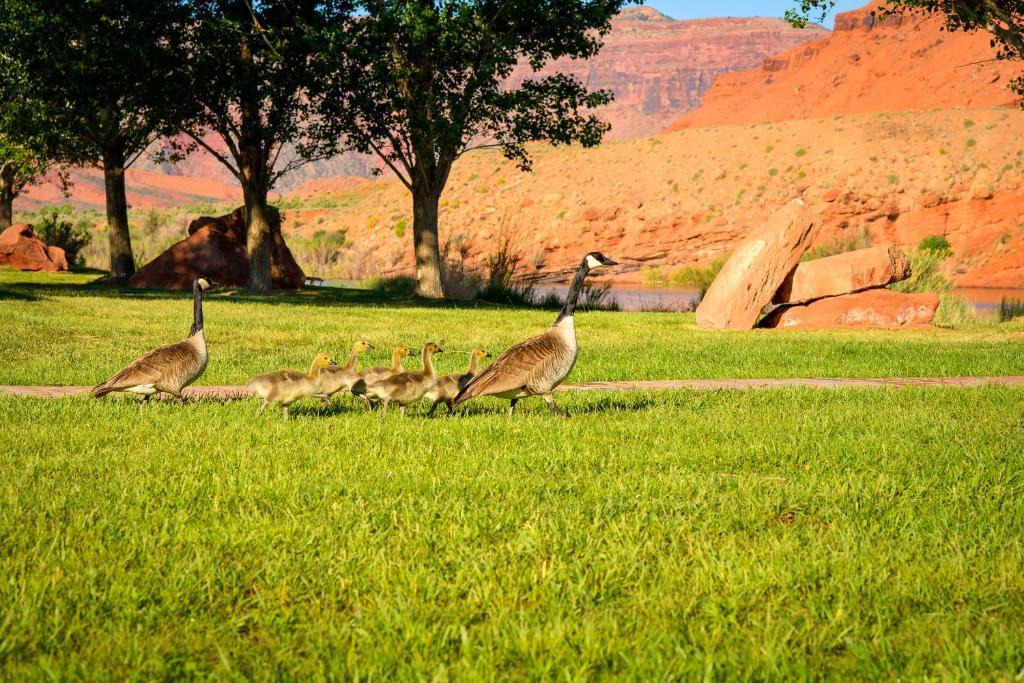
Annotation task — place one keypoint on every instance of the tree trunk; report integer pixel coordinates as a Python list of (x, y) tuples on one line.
[(259, 239), (122, 262), (425, 241), (6, 198)]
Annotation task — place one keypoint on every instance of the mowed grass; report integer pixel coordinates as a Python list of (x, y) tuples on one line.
[(734, 534), (57, 329), (856, 533)]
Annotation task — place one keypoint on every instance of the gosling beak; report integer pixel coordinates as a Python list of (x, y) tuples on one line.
[(487, 355), (439, 350), (369, 346)]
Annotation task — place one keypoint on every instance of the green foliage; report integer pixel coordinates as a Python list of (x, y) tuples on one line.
[(953, 312), (927, 276), (399, 228), (840, 245), (54, 230), (320, 252), (1010, 309), (801, 152), (773, 172), (699, 277), (653, 277), (936, 243)]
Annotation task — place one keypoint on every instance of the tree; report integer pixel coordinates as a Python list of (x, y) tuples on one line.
[(431, 85), (94, 72), (19, 168), (1003, 19), (246, 69)]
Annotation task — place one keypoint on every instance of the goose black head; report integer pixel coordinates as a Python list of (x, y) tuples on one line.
[(596, 259)]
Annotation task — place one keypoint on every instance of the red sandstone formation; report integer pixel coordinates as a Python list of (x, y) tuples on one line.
[(853, 271), (215, 247), (867, 64), (873, 308), (755, 270), (21, 249), (659, 68)]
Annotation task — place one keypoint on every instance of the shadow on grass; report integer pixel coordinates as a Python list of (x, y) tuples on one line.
[(312, 296)]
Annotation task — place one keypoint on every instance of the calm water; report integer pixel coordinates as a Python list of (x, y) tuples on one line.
[(667, 299)]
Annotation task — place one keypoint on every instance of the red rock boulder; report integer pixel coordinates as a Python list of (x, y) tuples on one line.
[(853, 271), (753, 273), (873, 308), (21, 249), (216, 247)]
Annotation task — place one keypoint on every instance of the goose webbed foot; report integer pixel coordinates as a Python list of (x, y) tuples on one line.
[(512, 406), (550, 400)]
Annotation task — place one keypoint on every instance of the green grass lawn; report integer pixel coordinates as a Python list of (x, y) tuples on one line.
[(55, 329), (856, 533)]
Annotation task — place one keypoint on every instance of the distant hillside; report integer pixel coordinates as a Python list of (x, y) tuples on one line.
[(866, 65)]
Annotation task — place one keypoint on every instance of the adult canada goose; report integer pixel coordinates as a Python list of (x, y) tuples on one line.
[(536, 366), (365, 378), (406, 387), (334, 378), (448, 386), (285, 387), (169, 368)]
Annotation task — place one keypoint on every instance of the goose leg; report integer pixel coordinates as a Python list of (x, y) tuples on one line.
[(433, 407), (450, 408), (401, 410), (285, 411), (263, 407), (512, 406), (384, 408), (550, 400)]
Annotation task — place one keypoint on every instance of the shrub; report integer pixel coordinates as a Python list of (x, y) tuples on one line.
[(840, 245), (1010, 309), (393, 286), (937, 243), (800, 152), (52, 229), (653, 277), (925, 266), (953, 312), (971, 142), (698, 277), (319, 253)]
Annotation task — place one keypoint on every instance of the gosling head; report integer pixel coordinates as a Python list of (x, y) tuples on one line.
[(322, 360), (431, 347), (596, 259), (402, 351), (481, 353), (361, 346)]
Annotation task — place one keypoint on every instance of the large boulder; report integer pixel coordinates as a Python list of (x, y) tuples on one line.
[(215, 247), (21, 249), (853, 271), (755, 270), (873, 308)]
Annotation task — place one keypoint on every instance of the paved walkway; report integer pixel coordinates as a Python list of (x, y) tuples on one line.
[(236, 392)]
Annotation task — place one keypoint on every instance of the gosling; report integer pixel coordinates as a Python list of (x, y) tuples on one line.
[(285, 387), (406, 387), (377, 373), (449, 386), (333, 378)]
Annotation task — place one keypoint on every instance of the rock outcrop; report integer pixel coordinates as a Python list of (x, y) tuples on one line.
[(215, 247), (753, 273), (873, 308), (21, 249), (659, 68), (867, 64), (853, 271)]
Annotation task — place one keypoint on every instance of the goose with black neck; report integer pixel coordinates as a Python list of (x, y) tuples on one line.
[(536, 366), (169, 368)]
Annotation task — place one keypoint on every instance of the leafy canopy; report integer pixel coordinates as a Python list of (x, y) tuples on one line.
[(420, 82)]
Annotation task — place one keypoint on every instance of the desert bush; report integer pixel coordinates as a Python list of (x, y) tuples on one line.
[(698, 277), (840, 245), (1010, 309), (936, 243), (53, 227), (653, 277), (953, 311), (927, 276), (320, 253), (402, 286)]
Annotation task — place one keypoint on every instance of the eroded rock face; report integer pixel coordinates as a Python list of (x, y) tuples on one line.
[(867, 64), (21, 249), (853, 271), (215, 247), (753, 273), (873, 308)]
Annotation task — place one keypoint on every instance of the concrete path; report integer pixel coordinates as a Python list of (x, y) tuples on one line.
[(222, 393)]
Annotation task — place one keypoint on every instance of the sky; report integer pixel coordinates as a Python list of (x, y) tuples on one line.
[(691, 9)]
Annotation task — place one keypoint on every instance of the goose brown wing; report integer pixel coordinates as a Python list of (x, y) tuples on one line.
[(513, 369), (146, 370)]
